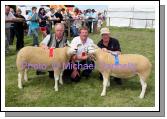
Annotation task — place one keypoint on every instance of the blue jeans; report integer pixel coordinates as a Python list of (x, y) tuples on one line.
[(34, 33), (74, 31)]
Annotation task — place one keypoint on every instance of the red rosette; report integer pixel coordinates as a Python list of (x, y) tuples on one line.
[(51, 52), (83, 54)]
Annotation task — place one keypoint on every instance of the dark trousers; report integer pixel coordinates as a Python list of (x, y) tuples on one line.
[(69, 70), (12, 34), (89, 25), (85, 72), (20, 39)]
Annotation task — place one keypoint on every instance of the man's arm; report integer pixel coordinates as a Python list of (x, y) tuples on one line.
[(13, 19), (45, 41), (117, 46)]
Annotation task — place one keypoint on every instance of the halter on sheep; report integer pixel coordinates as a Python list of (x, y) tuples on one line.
[(142, 68)]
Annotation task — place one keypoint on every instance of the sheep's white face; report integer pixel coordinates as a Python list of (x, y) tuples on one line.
[(71, 51), (91, 49)]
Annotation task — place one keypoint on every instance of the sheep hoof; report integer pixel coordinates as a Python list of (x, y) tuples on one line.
[(20, 87), (103, 94), (56, 89), (141, 97), (61, 82), (26, 80)]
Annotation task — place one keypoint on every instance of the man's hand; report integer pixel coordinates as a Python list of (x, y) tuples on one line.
[(58, 19), (44, 46), (19, 19), (75, 57), (82, 57), (118, 52), (15, 20), (40, 20), (74, 74), (104, 49)]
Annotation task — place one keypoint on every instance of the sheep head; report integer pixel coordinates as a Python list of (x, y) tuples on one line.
[(92, 49), (71, 50)]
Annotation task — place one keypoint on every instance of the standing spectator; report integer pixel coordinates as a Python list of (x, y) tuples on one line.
[(82, 17), (99, 23), (9, 19), (19, 28), (89, 20), (68, 14), (12, 29), (26, 17), (67, 20), (58, 16), (51, 16), (95, 19), (63, 12), (76, 23), (34, 26), (42, 22)]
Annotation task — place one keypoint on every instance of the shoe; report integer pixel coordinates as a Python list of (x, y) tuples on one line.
[(118, 81), (76, 79), (66, 79), (85, 73), (40, 73)]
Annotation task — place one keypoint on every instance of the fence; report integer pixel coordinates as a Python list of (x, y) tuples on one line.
[(130, 18), (131, 22)]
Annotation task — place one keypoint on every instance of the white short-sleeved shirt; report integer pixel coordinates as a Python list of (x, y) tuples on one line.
[(76, 41), (10, 16), (50, 15), (45, 41)]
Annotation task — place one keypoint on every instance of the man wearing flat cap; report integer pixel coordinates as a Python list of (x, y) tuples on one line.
[(109, 43)]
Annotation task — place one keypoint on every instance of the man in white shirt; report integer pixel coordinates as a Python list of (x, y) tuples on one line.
[(81, 59)]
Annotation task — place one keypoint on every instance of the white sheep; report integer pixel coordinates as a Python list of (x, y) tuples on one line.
[(36, 57), (129, 66)]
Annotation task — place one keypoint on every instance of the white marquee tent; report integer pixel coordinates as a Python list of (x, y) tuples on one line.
[(131, 16)]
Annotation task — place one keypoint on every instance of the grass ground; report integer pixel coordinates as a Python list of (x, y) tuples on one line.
[(39, 91)]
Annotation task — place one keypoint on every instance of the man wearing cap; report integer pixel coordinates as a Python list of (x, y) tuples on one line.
[(109, 43)]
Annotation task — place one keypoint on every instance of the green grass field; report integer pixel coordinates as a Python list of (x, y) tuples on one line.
[(39, 90)]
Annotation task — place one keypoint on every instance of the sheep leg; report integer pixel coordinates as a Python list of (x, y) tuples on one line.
[(20, 74), (56, 77), (61, 80), (144, 86), (105, 82), (25, 75), (108, 84)]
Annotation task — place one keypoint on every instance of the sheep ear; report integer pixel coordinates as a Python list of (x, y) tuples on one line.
[(68, 44), (94, 46)]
